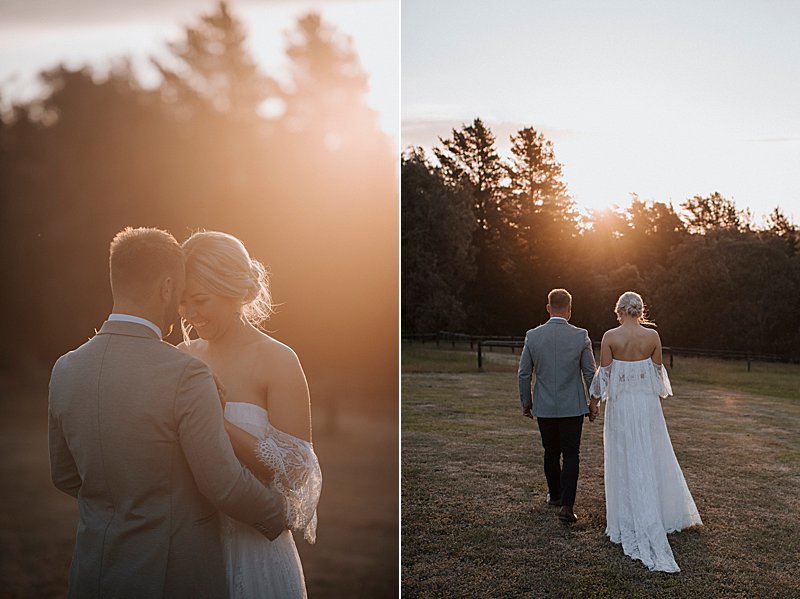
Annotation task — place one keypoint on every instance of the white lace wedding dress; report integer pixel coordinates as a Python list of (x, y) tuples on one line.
[(255, 566), (646, 494)]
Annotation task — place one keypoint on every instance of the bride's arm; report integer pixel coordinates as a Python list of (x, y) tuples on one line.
[(599, 387), (289, 410), (287, 447), (664, 387), (288, 399), (605, 351), (657, 355), (245, 446)]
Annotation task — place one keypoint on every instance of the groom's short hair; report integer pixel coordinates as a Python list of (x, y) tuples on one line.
[(138, 257), (560, 299)]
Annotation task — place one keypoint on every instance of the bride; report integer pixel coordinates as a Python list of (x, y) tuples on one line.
[(266, 406), (646, 494)]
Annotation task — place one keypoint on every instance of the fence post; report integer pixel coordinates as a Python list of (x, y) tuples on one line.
[(480, 360), (748, 361)]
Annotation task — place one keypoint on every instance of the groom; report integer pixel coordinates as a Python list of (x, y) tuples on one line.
[(560, 358), (136, 435)]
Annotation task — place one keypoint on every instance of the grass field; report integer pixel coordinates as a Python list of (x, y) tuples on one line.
[(474, 519), (355, 555)]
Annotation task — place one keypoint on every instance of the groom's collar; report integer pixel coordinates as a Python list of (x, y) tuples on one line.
[(557, 319), (118, 326), (136, 319)]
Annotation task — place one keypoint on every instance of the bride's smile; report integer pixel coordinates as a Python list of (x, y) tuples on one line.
[(210, 314)]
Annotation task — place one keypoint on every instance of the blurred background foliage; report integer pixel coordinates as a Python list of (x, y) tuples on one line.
[(300, 171)]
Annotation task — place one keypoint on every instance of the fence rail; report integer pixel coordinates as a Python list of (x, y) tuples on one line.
[(489, 342)]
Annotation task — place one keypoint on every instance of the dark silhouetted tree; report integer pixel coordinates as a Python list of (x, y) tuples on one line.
[(469, 162), (654, 228), (545, 209), (712, 213), (778, 224), (436, 248)]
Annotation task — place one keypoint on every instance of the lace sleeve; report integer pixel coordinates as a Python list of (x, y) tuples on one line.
[(663, 386), (600, 382), (297, 477)]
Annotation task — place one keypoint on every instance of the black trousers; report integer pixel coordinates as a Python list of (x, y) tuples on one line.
[(561, 437)]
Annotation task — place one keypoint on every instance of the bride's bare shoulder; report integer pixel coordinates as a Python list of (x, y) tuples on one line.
[(276, 352), (653, 334)]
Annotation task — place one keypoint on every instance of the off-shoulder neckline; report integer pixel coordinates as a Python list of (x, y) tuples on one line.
[(634, 361), (245, 403)]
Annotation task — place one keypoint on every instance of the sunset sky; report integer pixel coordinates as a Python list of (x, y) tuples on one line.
[(37, 34), (664, 99)]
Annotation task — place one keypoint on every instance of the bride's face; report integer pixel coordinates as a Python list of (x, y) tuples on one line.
[(209, 314)]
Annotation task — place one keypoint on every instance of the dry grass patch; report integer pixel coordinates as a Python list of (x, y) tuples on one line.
[(474, 521)]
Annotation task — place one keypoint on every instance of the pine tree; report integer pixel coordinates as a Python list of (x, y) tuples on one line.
[(469, 162), (545, 212), (215, 70), (326, 102)]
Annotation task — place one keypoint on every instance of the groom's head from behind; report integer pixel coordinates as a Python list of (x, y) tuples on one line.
[(559, 303), (147, 275)]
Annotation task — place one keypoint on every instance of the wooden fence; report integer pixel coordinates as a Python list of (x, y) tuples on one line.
[(489, 342)]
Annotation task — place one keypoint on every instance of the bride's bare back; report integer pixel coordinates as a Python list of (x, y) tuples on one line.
[(630, 342)]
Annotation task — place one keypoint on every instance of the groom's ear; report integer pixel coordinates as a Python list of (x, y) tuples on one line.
[(167, 288)]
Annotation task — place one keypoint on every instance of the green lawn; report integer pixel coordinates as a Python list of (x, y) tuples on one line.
[(474, 521)]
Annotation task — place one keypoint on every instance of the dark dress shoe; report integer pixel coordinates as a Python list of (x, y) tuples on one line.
[(555, 502), (567, 516)]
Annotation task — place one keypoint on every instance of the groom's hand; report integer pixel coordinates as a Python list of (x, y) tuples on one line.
[(527, 413), (594, 410)]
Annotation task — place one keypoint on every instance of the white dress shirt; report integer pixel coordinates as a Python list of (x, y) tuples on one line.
[(137, 320)]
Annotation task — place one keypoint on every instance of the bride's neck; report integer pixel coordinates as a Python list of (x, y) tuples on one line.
[(235, 335)]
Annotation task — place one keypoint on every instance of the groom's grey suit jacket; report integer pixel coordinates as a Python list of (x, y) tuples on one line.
[(559, 357), (137, 436)]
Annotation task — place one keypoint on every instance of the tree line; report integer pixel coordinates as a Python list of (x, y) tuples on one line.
[(484, 238), (299, 170)]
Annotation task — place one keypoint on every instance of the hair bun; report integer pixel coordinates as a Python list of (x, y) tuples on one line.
[(631, 303)]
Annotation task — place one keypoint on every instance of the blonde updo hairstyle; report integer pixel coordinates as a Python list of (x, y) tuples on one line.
[(222, 266), (631, 304)]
